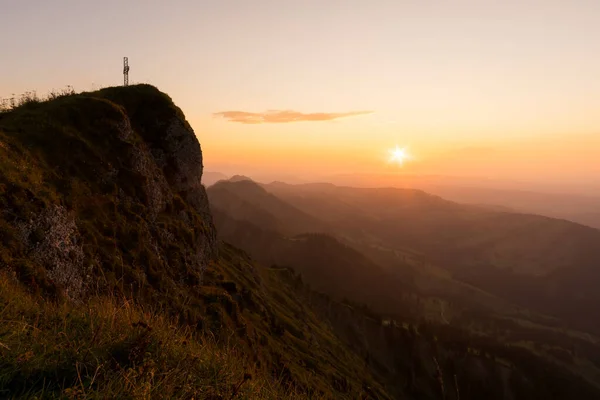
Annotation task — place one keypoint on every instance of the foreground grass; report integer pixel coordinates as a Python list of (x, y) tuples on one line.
[(112, 348)]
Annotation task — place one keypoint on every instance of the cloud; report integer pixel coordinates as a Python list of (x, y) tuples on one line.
[(279, 116)]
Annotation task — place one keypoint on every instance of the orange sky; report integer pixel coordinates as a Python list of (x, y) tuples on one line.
[(308, 87)]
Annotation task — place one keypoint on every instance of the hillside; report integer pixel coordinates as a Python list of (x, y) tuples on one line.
[(324, 263), (390, 281), (242, 199), (538, 262), (434, 287), (113, 283), (428, 292), (96, 184)]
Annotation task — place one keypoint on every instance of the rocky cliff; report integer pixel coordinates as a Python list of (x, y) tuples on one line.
[(102, 190)]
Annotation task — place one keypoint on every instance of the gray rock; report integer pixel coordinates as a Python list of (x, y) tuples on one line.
[(53, 240)]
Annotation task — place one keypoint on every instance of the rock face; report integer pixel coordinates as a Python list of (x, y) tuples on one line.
[(180, 158), (54, 241), (104, 185)]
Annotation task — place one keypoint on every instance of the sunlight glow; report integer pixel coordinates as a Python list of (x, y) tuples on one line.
[(399, 155)]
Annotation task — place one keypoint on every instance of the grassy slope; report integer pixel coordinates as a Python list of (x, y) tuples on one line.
[(262, 324), (185, 337), (249, 324), (114, 348), (64, 153)]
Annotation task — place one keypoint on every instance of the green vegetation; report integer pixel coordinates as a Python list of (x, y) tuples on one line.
[(74, 159), (244, 343), (115, 348), (113, 285)]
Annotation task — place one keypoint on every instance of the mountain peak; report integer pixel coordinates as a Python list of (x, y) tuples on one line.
[(240, 178), (133, 160)]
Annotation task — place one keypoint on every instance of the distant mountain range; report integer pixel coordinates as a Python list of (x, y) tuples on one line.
[(526, 280), (210, 178), (545, 264), (554, 201)]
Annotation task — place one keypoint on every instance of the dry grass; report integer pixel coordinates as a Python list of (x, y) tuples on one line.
[(32, 97), (113, 348)]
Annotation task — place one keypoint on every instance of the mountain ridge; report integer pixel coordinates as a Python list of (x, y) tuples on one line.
[(114, 284), (473, 240)]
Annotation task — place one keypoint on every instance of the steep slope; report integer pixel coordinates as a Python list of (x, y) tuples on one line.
[(259, 333), (104, 183)]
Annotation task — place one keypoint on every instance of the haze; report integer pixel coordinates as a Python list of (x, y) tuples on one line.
[(300, 199), (311, 89)]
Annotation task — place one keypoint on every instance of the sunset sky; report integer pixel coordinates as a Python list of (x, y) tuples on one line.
[(315, 87)]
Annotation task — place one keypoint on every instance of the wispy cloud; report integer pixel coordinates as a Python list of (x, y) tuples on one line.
[(282, 116)]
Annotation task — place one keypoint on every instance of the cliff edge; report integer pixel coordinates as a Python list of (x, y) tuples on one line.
[(102, 190)]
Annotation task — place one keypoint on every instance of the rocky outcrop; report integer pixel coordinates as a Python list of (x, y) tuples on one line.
[(121, 194), (169, 158), (53, 240)]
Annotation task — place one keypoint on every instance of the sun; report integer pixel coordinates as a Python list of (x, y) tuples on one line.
[(399, 155)]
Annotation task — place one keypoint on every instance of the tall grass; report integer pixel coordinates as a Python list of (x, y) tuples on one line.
[(113, 348), (32, 97)]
